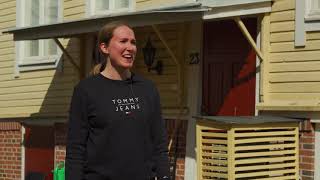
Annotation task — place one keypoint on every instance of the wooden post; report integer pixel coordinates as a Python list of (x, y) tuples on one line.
[(231, 157), (198, 150), (246, 33), (65, 52)]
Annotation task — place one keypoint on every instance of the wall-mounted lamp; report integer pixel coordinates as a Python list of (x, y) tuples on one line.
[(149, 53)]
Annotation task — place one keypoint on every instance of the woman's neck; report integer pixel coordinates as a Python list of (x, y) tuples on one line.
[(116, 74)]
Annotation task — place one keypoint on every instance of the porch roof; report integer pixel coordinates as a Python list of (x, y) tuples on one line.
[(67, 29)]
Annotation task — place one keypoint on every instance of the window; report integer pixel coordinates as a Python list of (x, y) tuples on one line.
[(313, 10), (37, 52), (99, 7)]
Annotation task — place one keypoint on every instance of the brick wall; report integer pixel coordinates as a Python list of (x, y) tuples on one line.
[(307, 145), (177, 153), (10, 151), (60, 140)]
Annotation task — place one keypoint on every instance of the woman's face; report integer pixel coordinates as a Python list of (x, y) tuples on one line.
[(122, 48)]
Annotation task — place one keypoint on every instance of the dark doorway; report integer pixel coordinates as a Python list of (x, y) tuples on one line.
[(229, 69), (39, 152)]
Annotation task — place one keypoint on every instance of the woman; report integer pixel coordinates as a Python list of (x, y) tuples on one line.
[(115, 129)]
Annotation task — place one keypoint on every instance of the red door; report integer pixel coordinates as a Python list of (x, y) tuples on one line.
[(228, 69), (39, 151)]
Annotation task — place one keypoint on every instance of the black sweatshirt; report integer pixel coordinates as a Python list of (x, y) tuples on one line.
[(116, 131)]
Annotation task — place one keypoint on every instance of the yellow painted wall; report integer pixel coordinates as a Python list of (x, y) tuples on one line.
[(293, 73), (169, 84), (74, 9), (48, 92), (146, 4), (33, 93)]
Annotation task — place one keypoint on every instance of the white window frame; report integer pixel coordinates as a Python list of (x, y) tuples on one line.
[(305, 21), (90, 8), (35, 62), (312, 14)]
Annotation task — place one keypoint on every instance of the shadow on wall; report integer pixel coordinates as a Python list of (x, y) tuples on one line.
[(59, 90), (43, 137)]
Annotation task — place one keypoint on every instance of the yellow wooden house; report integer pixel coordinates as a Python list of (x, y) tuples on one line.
[(219, 57)]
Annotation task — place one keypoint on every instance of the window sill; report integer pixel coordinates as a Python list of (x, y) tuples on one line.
[(110, 12), (312, 23), (40, 63), (316, 121)]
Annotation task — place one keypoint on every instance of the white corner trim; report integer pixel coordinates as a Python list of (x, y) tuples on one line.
[(315, 121), (258, 73), (194, 90), (317, 153), (219, 3), (23, 154), (299, 34)]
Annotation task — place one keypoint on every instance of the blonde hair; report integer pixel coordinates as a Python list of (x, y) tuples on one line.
[(104, 36)]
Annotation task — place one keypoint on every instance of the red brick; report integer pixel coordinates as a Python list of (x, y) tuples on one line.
[(304, 152), (10, 148), (305, 166), (304, 139), (307, 160), (180, 172)]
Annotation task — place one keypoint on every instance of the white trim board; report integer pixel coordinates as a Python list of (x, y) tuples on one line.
[(303, 23), (317, 153), (312, 26), (194, 96), (239, 10), (219, 3), (23, 153), (299, 33)]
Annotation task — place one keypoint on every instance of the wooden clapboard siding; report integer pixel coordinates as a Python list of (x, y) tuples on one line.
[(74, 9), (283, 5), (40, 92), (293, 72), (291, 67), (7, 4), (168, 83), (295, 87), (287, 15), (289, 46), (295, 56)]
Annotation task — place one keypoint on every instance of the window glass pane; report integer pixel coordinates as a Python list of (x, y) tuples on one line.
[(32, 16), (315, 5), (121, 4), (102, 5), (32, 48), (51, 12), (50, 47)]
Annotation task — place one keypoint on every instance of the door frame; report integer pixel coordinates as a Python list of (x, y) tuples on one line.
[(30, 122), (258, 42), (197, 105)]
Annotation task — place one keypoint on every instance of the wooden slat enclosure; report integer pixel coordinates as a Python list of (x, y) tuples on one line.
[(247, 151)]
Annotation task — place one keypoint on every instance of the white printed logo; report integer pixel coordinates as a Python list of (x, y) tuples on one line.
[(126, 104)]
